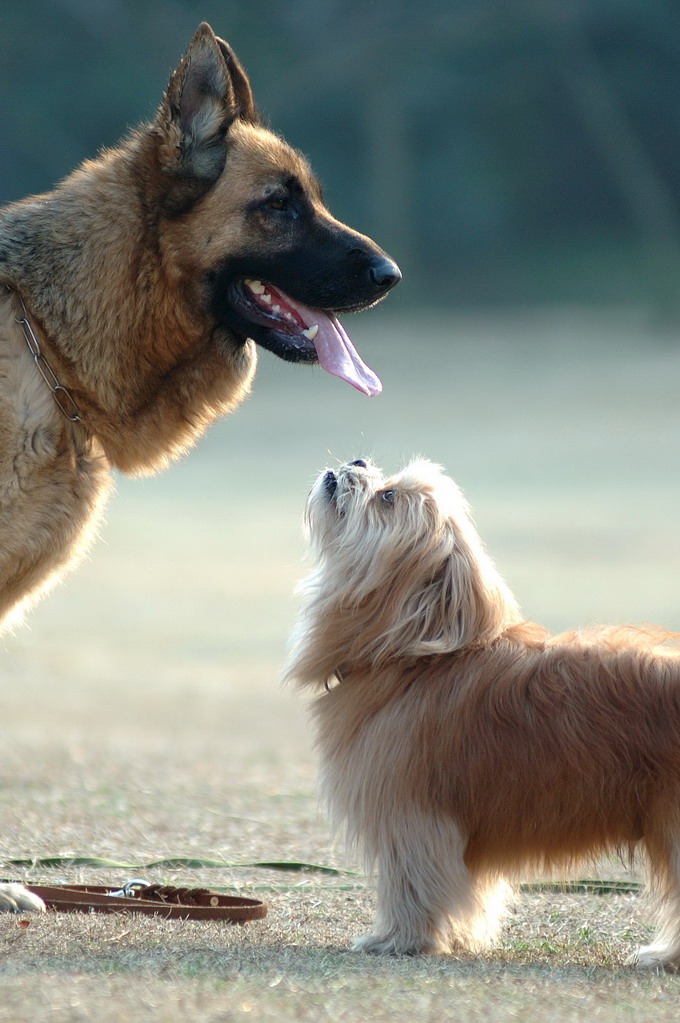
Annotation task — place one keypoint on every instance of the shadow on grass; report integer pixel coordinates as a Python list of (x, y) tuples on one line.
[(133, 953)]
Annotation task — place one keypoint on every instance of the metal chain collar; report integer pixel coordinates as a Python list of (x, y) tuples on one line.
[(63, 398)]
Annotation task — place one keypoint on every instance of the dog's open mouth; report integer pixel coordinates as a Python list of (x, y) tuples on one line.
[(298, 333)]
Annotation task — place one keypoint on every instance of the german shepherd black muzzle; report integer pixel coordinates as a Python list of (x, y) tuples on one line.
[(286, 295)]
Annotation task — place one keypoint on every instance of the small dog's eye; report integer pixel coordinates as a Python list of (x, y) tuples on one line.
[(387, 496)]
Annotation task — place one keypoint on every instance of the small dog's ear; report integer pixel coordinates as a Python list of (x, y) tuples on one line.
[(468, 603), (208, 91), (453, 595)]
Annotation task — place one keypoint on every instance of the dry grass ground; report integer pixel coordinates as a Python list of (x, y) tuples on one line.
[(142, 718)]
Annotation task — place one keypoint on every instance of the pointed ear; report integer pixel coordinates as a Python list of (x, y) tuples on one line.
[(243, 94), (207, 92)]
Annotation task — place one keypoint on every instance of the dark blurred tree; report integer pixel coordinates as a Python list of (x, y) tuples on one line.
[(651, 205)]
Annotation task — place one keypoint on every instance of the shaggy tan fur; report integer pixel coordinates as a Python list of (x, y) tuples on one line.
[(461, 745)]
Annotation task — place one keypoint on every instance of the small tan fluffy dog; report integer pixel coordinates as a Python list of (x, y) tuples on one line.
[(460, 744)]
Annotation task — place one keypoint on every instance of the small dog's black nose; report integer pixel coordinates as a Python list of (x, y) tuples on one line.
[(384, 273), (330, 483), (360, 462)]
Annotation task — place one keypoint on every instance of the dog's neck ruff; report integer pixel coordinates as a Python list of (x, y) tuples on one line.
[(63, 398)]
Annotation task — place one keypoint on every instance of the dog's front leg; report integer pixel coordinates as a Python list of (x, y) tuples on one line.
[(427, 899), (14, 898), (54, 481)]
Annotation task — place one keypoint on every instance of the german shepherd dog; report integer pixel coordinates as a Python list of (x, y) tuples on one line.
[(133, 296)]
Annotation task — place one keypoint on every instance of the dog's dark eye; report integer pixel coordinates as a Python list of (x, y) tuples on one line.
[(277, 202), (282, 205), (387, 496)]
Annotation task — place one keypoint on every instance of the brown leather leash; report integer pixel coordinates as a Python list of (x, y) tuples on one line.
[(137, 896)]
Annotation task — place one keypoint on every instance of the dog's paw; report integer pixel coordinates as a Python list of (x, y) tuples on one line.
[(392, 945), (14, 898), (652, 957)]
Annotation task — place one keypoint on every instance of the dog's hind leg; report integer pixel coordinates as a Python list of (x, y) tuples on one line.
[(427, 899), (664, 863)]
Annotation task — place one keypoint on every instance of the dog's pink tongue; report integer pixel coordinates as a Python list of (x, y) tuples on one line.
[(336, 353), (338, 356)]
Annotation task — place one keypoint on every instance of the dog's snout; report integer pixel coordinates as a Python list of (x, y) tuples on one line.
[(360, 462), (384, 273)]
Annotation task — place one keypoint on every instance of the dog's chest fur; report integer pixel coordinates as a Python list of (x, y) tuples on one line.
[(31, 425), (53, 475)]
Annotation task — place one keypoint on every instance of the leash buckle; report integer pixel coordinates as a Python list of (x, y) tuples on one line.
[(129, 888)]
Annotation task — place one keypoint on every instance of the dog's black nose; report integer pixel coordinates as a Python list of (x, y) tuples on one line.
[(360, 462), (330, 483), (384, 273)]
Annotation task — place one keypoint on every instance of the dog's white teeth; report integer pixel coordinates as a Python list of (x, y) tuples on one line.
[(289, 316), (266, 298), (257, 287), (311, 332), (276, 308)]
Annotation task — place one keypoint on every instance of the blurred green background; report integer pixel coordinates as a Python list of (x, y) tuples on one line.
[(504, 151), (521, 162)]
